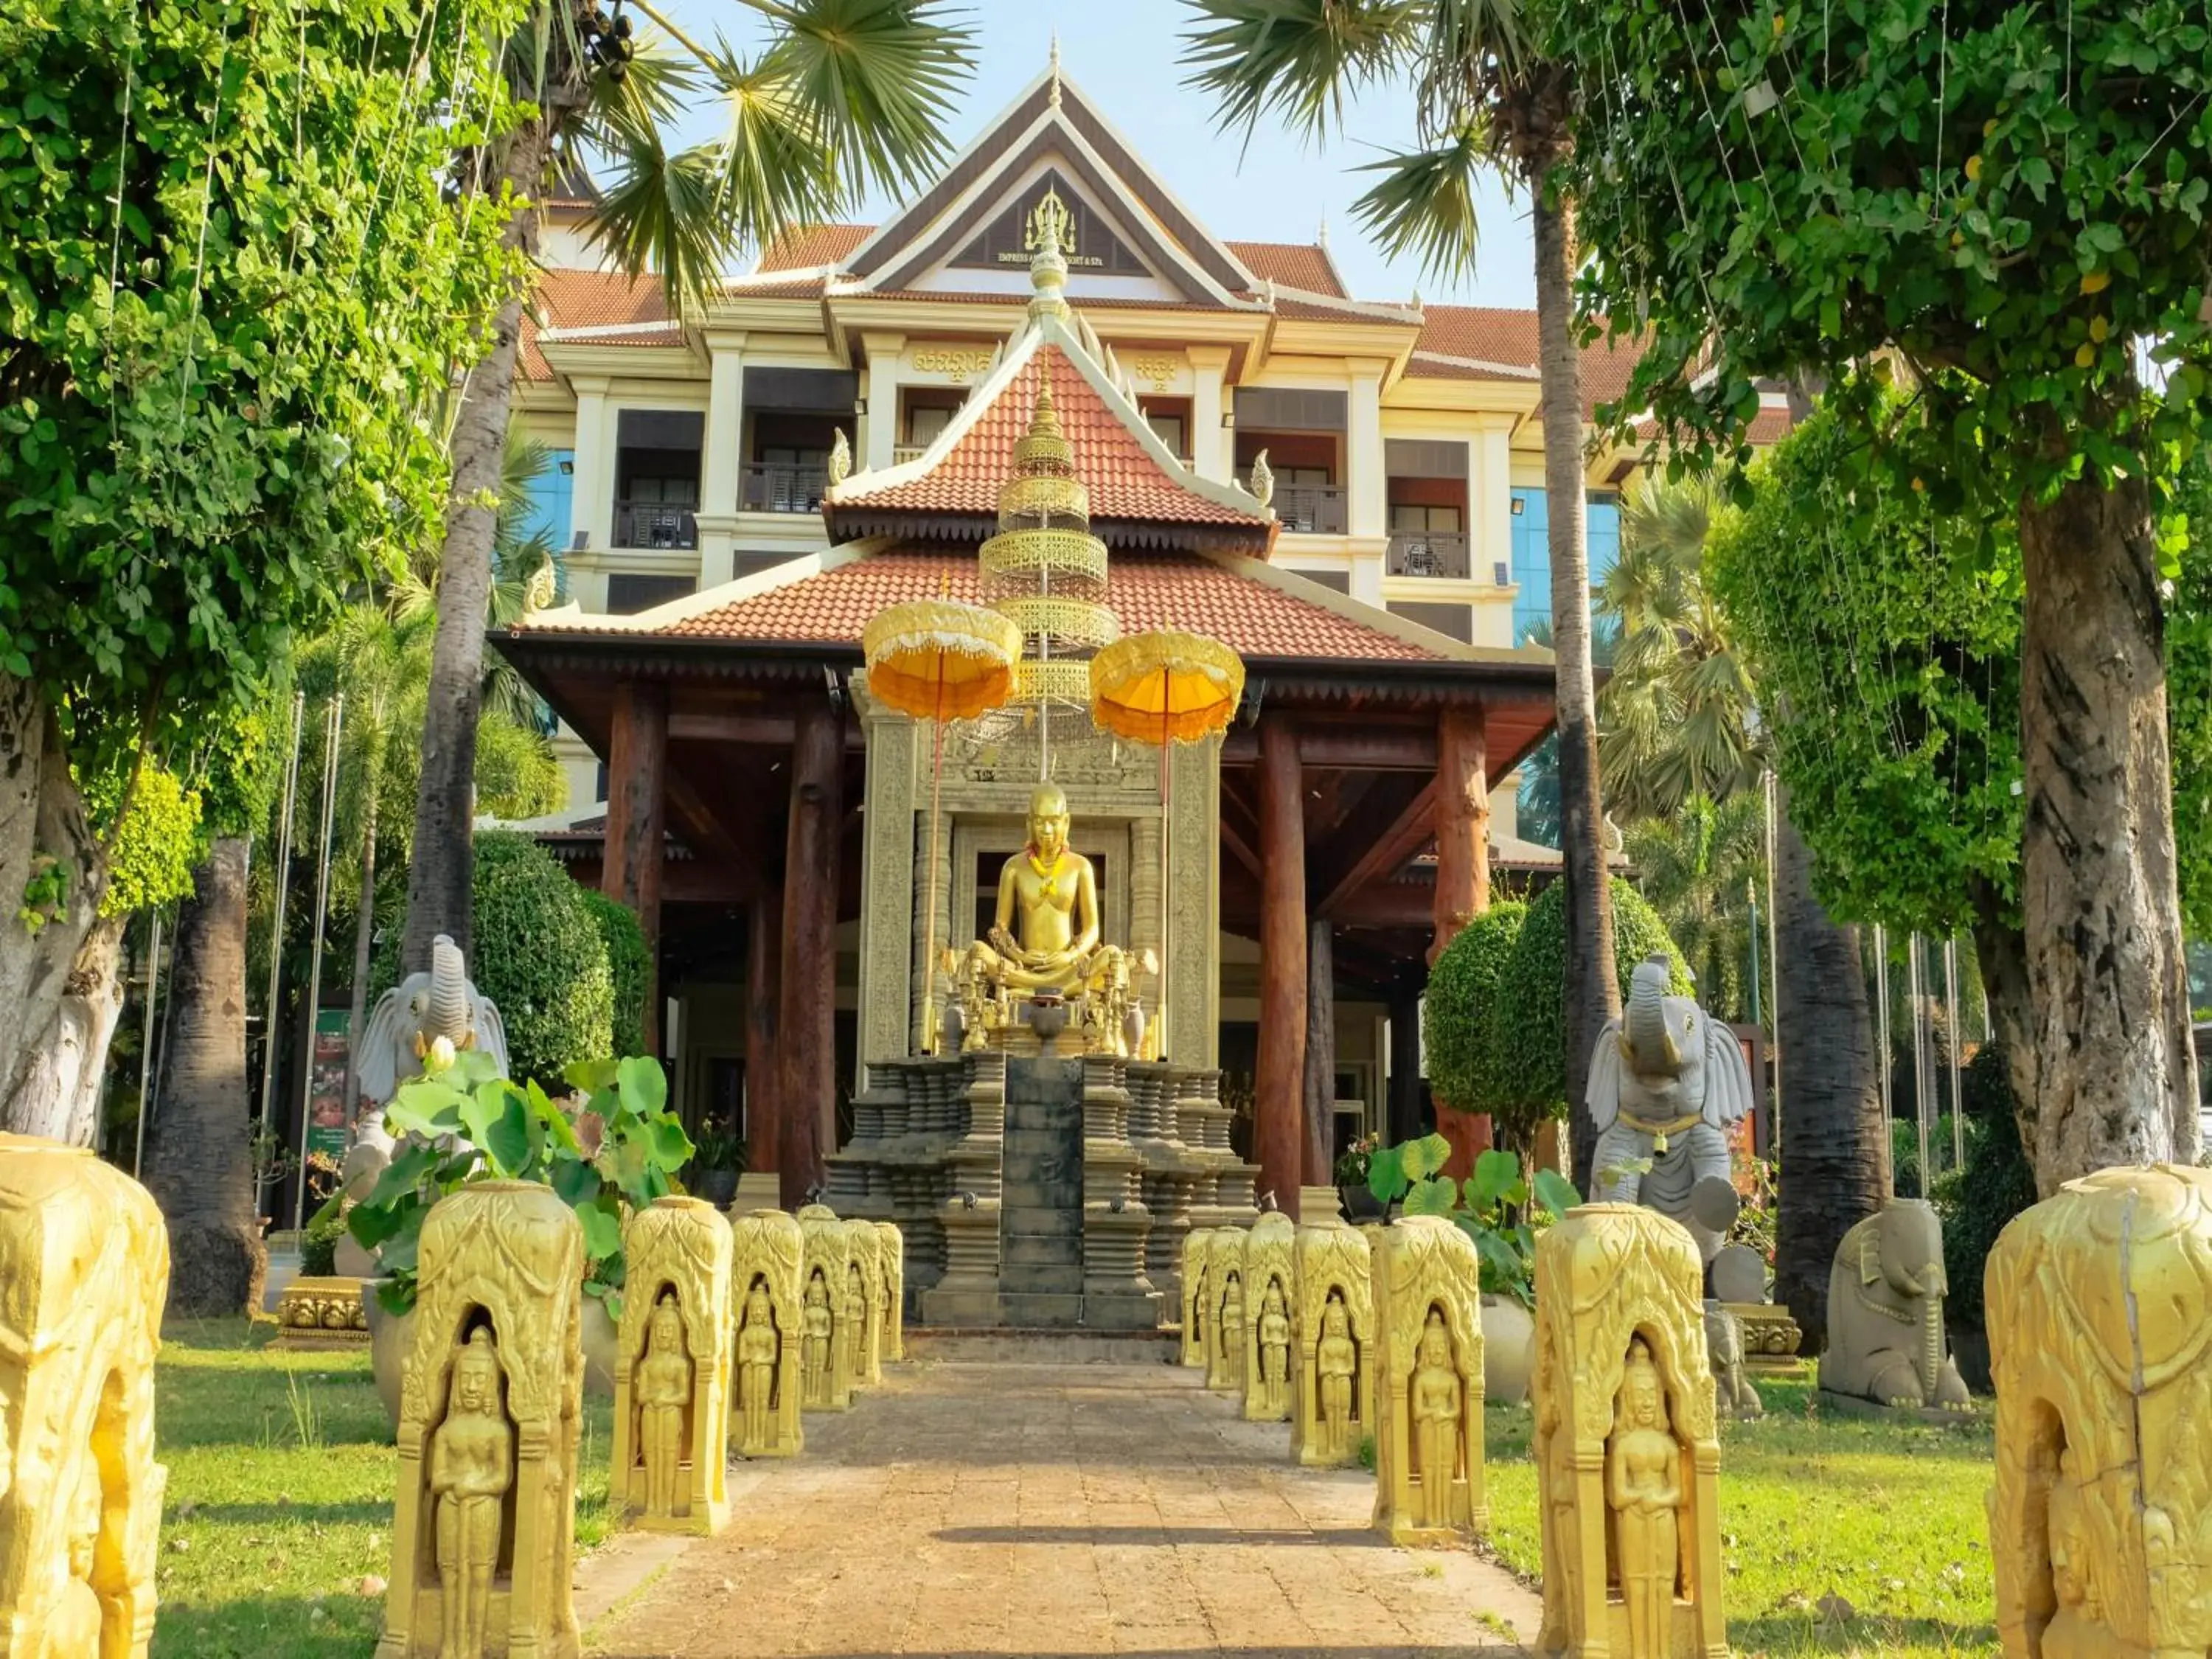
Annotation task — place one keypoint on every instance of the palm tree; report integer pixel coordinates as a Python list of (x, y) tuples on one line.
[(1481, 97), (839, 97), (1676, 718), (1700, 867)]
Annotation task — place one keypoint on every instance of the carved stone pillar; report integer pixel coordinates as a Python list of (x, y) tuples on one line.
[(669, 1474), (1270, 1300), (767, 1288), (1333, 1409), (1428, 1385)]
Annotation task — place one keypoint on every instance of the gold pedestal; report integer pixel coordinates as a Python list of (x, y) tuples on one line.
[(321, 1313), (1335, 1406), (673, 1369), (1428, 1388)]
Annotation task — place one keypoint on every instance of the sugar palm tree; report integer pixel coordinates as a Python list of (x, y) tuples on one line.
[(1481, 97), (833, 98)]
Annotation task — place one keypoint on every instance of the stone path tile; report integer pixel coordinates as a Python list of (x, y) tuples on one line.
[(1050, 1511)]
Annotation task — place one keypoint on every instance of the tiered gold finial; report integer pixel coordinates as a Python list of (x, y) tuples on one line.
[(1050, 235)]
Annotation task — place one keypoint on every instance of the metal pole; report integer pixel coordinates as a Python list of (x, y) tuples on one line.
[(283, 872), (1751, 892), (1768, 790), (1958, 1094), (146, 1046), (1881, 1018), (1920, 1071), (333, 727)]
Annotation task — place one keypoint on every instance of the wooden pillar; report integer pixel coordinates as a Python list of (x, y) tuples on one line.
[(763, 1053), (1321, 1053), (806, 1079), (1404, 1121), (629, 869), (1462, 882), (1279, 1088)]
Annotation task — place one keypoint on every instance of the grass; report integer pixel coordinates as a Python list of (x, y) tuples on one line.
[(1888, 1517), (280, 1472)]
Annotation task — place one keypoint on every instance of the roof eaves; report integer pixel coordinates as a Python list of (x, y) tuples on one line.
[(1486, 365), (1378, 310)]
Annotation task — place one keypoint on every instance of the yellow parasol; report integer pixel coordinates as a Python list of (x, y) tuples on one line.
[(1166, 688), (938, 659)]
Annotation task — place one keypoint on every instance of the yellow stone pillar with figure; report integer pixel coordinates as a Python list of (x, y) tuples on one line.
[(1627, 1459), (1270, 1298), (84, 1274), (1196, 1245), (2100, 1314), (891, 1266), (1224, 1308), (673, 1369), (767, 1286), (863, 1284), (484, 1532), (833, 1314), (1428, 1384), (1334, 1403)]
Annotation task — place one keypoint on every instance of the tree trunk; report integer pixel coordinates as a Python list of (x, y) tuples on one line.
[(439, 874), (1592, 993), (2115, 1074), (198, 1165), (1835, 1142), (2001, 951), (364, 937), (53, 1043)]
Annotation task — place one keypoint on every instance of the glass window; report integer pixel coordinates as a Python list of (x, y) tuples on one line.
[(1532, 552), (924, 422), (1412, 519), (1169, 430)]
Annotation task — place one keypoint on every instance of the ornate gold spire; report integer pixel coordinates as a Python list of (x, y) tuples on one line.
[(1050, 234)]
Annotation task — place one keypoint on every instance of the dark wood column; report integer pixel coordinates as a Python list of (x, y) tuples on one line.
[(1405, 1114), (1278, 1090), (806, 1079), (763, 1053), (1462, 883), (629, 871), (1321, 1052)]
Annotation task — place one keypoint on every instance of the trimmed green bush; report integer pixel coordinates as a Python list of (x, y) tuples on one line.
[(1529, 1037), (1995, 1184), (1456, 1026), (628, 963)]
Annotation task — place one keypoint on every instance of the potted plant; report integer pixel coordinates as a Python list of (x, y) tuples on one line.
[(717, 1164), (612, 1146), (1502, 1212), (1351, 1177)]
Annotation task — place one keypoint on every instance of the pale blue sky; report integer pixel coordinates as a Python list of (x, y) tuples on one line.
[(1126, 55)]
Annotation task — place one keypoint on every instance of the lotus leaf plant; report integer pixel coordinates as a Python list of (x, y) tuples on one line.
[(1500, 1207)]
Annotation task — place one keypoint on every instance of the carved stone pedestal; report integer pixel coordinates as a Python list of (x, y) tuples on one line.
[(863, 1293), (767, 1288), (891, 1264), (1270, 1297), (1333, 1405), (834, 1318), (1192, 1285), (673, 1369), (1225, 1312), (484, 1531), (1627, 1462), (84, 1273), (321, 1313), (1428, 1384), (2098, 1303)]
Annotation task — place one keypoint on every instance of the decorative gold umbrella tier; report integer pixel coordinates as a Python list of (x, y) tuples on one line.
[(939, 659), (1062, 554), (1165, 686), (1057, 679), (1033, 502), (1067, 621)]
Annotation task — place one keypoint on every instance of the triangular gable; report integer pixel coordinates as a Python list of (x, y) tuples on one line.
[(1053, 124)]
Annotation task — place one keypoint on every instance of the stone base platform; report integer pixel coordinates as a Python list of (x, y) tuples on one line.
[(1009, 1345)]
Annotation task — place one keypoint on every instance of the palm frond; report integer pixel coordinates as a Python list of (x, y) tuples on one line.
[(1424, 203), (1297, 59), (878, 79), (1474, 49)]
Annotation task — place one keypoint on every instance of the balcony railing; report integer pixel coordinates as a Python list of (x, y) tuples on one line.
[(1316, 509), (1429, 553), (783, 486), (654, 524), (901, 454)]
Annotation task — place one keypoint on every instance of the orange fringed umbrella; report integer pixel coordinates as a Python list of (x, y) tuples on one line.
[(938, 659), (1166, 688)]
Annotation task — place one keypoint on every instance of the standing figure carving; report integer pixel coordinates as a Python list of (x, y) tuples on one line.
[(664, 1389), (1435, 1421), (1232, 1329), (1197, 1321), (758, 1349), (471, 1466), (1274, 1352), (848, 1356), (820, 1324), (1886, 1338), (1666, 1084), (1336, 1360), (1643, 1489)]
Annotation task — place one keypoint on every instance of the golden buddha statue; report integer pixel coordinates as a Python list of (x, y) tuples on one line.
[(1043, 945)]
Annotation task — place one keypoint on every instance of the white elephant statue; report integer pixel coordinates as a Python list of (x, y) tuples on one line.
[(406, 1021), (1666, 1083)]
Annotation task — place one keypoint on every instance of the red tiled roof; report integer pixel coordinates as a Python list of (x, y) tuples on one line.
[(1294, 265), (1124, 482), (588, 299), (804, 247), (1145, 591), (1494, 335)]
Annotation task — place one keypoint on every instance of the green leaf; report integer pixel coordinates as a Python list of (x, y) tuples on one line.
[(591, 1076), (576, 1183), (1386, 1173), (644, 1086), (1497, 1172), (497, 1121), (1555, 1192), (429, 1110), (1426, 1156), (602, 1230), (1431, 1197), (672, 1147)]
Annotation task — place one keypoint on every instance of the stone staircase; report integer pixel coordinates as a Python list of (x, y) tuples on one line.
[(1041, 1224)]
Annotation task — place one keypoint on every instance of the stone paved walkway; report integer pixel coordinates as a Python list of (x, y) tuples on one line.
[(1057, 1509)]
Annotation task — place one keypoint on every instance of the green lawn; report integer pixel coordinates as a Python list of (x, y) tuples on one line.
[(281, 1470), (1888, 1517)]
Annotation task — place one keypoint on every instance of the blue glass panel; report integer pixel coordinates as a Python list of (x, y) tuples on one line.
[(552, 492)]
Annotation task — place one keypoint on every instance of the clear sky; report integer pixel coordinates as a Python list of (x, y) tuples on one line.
[(1126, 55)]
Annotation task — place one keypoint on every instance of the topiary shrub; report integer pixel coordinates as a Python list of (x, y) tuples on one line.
[(1457, 1037), (628, 963), (1994, 1184), (1530, 1012)]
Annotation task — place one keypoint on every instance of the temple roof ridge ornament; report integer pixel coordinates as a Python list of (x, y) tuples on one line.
[(1051, 234)]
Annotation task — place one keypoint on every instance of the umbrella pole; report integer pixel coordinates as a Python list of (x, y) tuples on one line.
[(929, 913), (1160, 1013)]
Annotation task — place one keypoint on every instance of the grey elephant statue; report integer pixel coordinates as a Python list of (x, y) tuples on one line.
[(407, 1020), (1666, 1083), (1732, 1390), (1886, 1313)]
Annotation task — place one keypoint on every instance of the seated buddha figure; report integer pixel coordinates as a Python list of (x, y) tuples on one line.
[(1044, 941)]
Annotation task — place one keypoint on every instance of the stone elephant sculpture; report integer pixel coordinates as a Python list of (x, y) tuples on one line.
[(1666, 1083), (1732, 1389), (1885, 1312), (406, 1021)]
